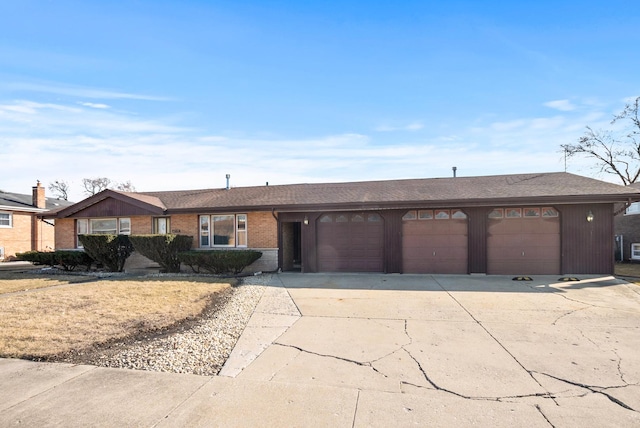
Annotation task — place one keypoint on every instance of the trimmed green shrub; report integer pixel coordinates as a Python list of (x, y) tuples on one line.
[(66, 259), (219, 261), (37, 257), (162, 249), (110, 250), (69, 260)]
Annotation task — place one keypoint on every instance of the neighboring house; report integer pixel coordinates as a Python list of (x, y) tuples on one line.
[(20, 228), (627, 230), (547, 223)]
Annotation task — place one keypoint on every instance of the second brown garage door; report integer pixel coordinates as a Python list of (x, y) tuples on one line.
[(350, 242), (523, 241), (434, 241)]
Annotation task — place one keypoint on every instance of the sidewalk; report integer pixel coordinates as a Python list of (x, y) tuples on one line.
[(378, 350)]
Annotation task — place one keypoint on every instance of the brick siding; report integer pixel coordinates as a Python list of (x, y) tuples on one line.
[(262, 230), (26, 234), (65, 234)]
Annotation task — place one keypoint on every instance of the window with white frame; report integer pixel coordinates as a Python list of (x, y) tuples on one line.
[(635, 251), (223, 230), (634, 208), (161, 225), (6, 219)]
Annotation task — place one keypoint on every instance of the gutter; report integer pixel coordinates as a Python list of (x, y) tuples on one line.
[(24, 209)]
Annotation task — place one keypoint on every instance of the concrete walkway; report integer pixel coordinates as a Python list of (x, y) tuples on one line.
[(379, 350)]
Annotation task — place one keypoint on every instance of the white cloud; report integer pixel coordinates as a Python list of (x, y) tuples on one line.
[(46, 141), (95, 105), (413, 126), (78, 91), (562, 105)]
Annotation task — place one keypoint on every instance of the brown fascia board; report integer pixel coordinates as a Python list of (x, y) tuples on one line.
[(370, 206)]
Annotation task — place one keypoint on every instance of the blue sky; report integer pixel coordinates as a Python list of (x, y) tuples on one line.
[(176, 94)]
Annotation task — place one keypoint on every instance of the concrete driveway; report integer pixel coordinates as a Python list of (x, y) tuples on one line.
[(380, 350)]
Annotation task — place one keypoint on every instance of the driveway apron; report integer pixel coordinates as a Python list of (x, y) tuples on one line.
[(362, 350)]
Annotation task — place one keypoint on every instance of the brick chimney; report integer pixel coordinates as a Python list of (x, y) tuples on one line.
[(39, 200)]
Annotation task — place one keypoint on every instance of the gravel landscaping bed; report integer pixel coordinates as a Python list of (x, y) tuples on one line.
[(199, 346)]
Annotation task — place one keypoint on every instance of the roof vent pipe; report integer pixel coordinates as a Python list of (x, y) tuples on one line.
[(455, 168), (228, 177)]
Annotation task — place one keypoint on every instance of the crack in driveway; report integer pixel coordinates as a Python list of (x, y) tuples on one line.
[(594, 389)]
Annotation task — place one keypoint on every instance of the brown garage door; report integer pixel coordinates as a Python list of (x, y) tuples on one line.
[(350, 242), (523, 241), (434, 241)]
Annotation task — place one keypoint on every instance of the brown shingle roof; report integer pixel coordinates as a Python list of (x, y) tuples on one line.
[(486, 190)]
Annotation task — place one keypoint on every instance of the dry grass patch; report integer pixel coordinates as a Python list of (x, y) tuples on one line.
[(12, 281), (52, 321)]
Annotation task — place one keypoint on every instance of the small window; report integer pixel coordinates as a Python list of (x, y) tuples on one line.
[(458, 214), (425, 215), (634, 208), (496, 213), (635, 251), (161, 225), (374, 217), (442, 214), (204, 230), (410, 215), (513, 213), (341, 218), (6, 220), (125, 226), (82, 228), (327, 218), (357, 218), (532, 212), (241, 230), (549, 212)]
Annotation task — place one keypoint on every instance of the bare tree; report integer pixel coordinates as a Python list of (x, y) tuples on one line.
[(60, 189), (95, 185), (126, 186), (615, 152)]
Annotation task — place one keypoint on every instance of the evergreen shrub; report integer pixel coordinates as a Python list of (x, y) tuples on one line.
[(219, 261)]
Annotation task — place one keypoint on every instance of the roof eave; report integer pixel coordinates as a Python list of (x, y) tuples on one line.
[(369, 206)]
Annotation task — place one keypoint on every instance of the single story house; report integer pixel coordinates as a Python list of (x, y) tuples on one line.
[(522, 224), (627, 231), (20, 227)]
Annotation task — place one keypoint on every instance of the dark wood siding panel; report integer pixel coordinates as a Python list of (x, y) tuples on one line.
[(393, 240), (477, 232), (523, 246), (587, 248), (309, 244), (435, 246), (111, 208)]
